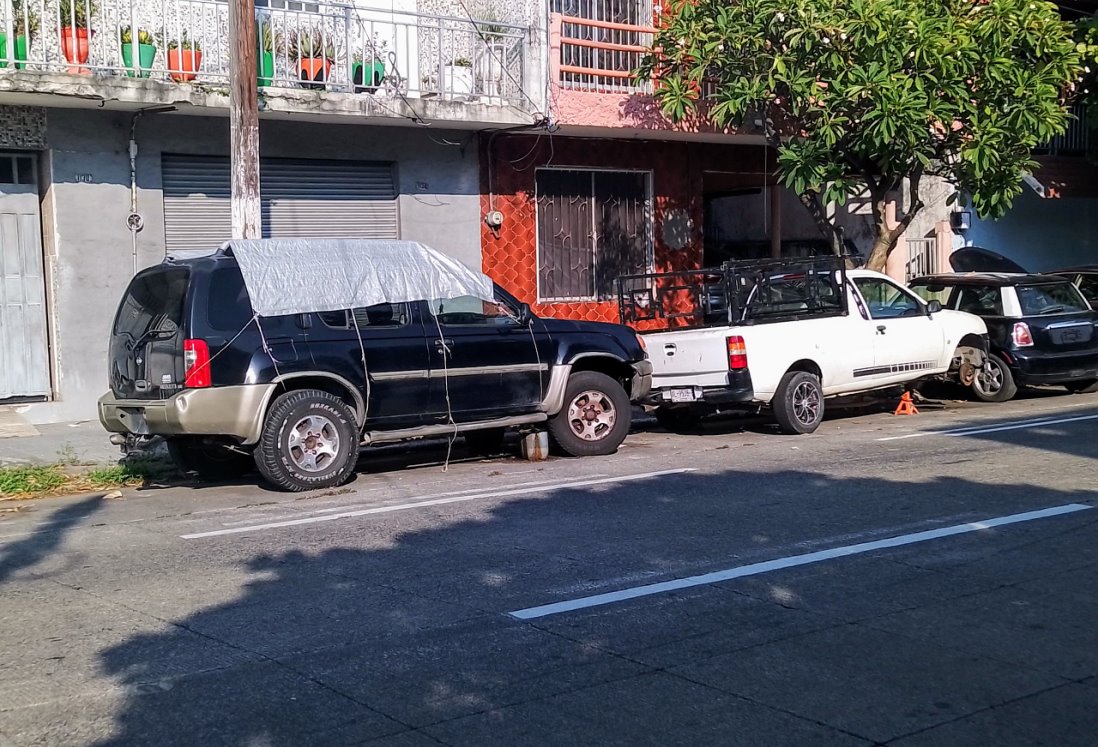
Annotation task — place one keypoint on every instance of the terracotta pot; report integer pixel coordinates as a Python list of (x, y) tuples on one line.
[(183, 64), (314, 71), (74, 44)]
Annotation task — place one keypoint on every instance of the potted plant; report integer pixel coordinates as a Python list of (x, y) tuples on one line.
[(492, 35), (184, 59), (24, 29), (314, 56), (268, 41), (457, 77), (146, 51), (367, 75), (73, 16)]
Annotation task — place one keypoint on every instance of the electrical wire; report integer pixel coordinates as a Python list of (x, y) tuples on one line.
[(502, 64), (445, 349)]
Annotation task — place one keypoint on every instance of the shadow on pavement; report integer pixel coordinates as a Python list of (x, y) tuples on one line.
[(340, 645), (47, 537)]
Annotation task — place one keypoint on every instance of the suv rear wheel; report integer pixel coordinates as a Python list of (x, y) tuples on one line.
[(210, 461), (595, 417), (309, 441)]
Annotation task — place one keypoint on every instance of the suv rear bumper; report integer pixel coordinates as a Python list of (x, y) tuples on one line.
[(642, 381), (235, 411), (1053, 368)]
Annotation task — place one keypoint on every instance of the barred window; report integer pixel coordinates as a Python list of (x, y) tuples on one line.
[(593, 226)]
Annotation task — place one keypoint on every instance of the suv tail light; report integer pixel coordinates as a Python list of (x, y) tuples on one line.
[(1021, 335), (737, 353), (196, 360)]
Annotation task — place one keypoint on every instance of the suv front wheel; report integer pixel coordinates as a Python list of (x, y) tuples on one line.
[(309, 441), (595, 417)]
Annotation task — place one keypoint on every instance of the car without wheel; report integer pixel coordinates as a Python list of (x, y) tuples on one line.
[(1041, 329), (226, 384)]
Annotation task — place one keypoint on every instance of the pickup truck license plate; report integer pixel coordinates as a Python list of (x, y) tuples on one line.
[(682, 394)]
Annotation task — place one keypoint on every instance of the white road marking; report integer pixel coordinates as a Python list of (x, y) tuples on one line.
[(438, 502), (598, 600), (976, 430)]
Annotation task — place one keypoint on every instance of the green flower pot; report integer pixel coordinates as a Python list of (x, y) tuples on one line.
[(146, 54), (368, 76), (264, 67), (20, 51)]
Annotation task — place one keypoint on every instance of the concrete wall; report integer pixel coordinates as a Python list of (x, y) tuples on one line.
[(89, 251), (1042, 234)]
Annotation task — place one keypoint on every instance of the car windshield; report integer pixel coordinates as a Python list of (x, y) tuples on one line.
[(1051, 298)]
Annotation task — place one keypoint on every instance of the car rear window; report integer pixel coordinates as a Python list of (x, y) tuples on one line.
[(153, 300), (1051, 298), (228, 308)]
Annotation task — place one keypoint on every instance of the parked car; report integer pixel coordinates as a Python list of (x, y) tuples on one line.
[(190, 362), (1041, 329), (1085, 278), (787, 334)]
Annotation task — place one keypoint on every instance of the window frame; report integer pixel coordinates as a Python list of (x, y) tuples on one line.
[(649, 233), (919, 303)]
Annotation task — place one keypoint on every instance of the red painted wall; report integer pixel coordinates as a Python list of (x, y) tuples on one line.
[(507, 184)]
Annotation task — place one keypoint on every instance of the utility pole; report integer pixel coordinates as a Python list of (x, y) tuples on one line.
[(244, 121)]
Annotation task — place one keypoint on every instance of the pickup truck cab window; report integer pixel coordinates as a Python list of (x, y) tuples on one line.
[(887, 301)]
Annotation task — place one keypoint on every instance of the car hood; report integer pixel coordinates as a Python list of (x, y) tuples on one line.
[(975, 259)]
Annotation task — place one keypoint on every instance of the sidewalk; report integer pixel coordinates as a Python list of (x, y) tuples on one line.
[(68, 443)]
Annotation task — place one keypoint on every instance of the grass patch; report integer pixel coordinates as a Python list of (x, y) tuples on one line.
[(131, 472), (33, 479)]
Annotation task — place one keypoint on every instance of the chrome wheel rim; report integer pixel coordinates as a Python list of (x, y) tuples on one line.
[(806, 403), (313, 444), (990, 378), (592, 415)]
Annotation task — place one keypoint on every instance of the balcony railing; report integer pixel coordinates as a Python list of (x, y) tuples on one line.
[(300, 44), (1076, 141), (922, 258)]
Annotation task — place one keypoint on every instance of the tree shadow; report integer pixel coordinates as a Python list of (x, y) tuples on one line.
[(46, 538), (343, 644)]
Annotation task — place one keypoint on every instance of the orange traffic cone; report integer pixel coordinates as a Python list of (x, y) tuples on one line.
[(906, 406)]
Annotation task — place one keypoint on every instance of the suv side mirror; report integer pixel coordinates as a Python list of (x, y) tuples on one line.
[(524, 314), (933, 307)]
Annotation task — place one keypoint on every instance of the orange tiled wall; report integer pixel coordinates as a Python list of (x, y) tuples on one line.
[(507, 184)]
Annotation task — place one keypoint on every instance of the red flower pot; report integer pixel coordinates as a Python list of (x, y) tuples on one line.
[(74, 44), (315, 70), (183, 64)]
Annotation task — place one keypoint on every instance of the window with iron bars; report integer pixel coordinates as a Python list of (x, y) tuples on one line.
[(593, 226)]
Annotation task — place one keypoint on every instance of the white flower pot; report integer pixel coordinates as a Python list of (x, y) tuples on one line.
[(457, 80)]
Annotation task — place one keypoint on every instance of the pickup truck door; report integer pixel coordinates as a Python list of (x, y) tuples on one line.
[(484, 363), (906, 339)]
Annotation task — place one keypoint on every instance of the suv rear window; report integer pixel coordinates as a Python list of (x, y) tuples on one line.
[(228, 308), (1053, 298), (153, 300)]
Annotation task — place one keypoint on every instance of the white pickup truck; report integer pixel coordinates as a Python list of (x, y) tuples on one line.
[(788, 334)]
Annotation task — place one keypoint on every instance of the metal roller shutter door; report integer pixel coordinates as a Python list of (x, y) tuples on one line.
[(301, 199)]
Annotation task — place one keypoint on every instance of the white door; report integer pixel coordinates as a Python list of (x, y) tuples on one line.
[(907, 342), (24, 348)]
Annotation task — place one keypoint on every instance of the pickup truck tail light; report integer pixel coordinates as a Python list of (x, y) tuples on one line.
[(1022, 337), (737, 353), (196, 360)]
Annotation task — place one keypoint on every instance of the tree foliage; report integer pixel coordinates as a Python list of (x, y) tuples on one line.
[(859, 95)]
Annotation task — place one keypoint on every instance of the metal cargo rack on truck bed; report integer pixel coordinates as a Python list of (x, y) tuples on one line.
[(737, 293)]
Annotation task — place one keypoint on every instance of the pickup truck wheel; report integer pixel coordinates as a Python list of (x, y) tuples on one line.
[(994, 382), (595, 417), (309, 441), (1082, 387), (678, 419), (210, 461), (798, 403)]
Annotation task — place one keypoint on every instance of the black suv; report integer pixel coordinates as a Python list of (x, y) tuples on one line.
[(189, 362), (1041, 329)]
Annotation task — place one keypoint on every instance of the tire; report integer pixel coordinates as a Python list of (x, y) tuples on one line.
[(212, 462), (678, 419), (309, 441), (595, 417), (1082, 387), (486, 442), (994, 382), (798, 403)]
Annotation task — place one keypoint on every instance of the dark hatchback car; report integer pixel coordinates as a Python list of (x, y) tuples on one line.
[(188, 362), (1041, 329)]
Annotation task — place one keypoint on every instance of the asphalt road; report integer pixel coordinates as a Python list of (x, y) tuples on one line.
[(906, 581)]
